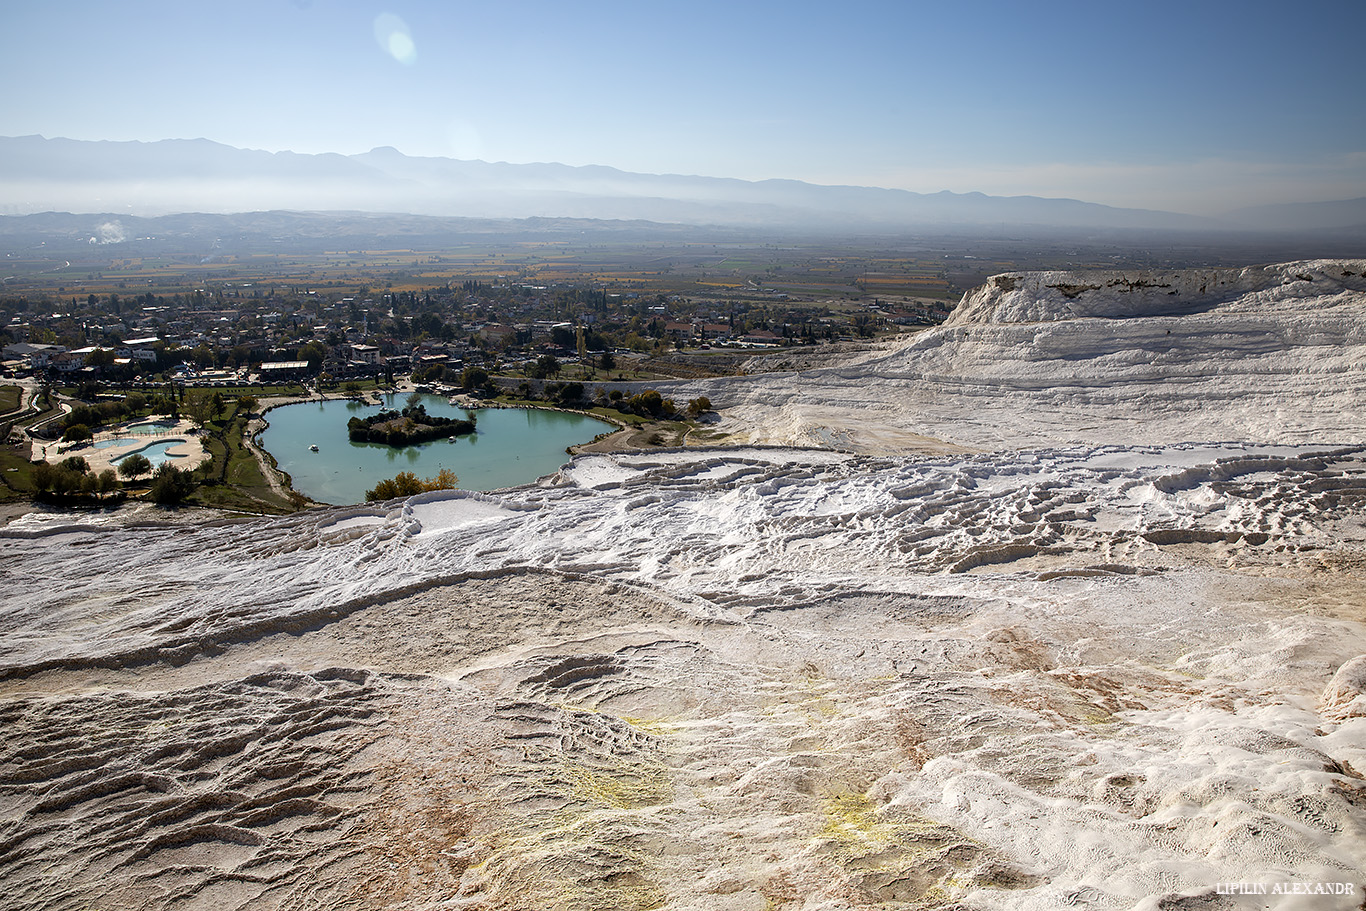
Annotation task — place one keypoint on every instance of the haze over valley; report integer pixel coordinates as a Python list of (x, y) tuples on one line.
[(135, 178)]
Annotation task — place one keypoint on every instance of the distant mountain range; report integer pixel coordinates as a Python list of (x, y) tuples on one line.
[(172, 176)]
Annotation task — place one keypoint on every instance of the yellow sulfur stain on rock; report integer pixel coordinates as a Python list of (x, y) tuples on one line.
[(889, 855), (641, 786), (651, 726), (852, 824)]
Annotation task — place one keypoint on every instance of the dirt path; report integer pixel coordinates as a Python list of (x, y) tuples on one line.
[(272, 474)]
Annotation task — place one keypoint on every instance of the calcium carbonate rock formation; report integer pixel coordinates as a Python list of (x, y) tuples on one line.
[(1043, 296), (1112, 660), (1345, 695), (1275, 354)]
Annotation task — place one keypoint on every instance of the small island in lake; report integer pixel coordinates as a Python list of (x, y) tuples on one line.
[(407, 427)]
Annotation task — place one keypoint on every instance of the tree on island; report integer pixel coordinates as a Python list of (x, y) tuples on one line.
[(408, 427)]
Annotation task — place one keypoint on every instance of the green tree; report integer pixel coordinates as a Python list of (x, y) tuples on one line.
[(135, 466), (76, 433), (432, 373), (698, 406), (314, 352), (202, 356), (648, 402), (41, 477), (547, 365), (100, 357), (90, 485), (473, 377), (170, 485), (106, 482), (76, 464), (569, 393), (165, 404), (199, 407), (88, 415), (247, 403), (406, 484)]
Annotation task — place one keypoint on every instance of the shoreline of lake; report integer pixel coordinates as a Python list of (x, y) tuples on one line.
[(541, 446)]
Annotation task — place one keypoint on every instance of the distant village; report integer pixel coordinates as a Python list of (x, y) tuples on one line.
[(241, 334)]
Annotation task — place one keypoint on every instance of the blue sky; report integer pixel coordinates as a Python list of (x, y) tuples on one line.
[(1193, 106)]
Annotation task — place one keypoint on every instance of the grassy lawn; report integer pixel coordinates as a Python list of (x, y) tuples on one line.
[(234, 479), (369, 385), (14, 474), (10, 397), (232, 392), (15, 467)]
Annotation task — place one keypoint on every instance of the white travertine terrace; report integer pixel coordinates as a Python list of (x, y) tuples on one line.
[(1066, 611)]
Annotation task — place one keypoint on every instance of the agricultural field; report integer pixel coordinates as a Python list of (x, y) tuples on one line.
[(647, 260), (263, 254)]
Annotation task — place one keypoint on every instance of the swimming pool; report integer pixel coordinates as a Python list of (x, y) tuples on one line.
[(156, 453), (150, 428)]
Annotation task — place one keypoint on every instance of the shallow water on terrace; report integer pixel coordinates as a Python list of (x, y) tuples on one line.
[(512, 446)]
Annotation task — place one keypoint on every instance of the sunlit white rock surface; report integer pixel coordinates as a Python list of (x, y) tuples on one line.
[(1273, 354), (1114, 668)]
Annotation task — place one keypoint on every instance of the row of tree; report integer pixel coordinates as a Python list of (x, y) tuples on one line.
[(72, 481), (199, 406)]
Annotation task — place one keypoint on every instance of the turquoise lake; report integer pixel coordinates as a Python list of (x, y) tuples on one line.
[(512, 446)]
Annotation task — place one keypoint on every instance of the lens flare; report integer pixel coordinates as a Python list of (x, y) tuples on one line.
[(395, 39)]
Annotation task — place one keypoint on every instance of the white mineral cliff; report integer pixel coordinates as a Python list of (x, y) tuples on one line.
[(1113, 658), (1276, 354)]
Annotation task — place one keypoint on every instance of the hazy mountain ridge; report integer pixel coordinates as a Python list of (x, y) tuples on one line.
[(139, 178)]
